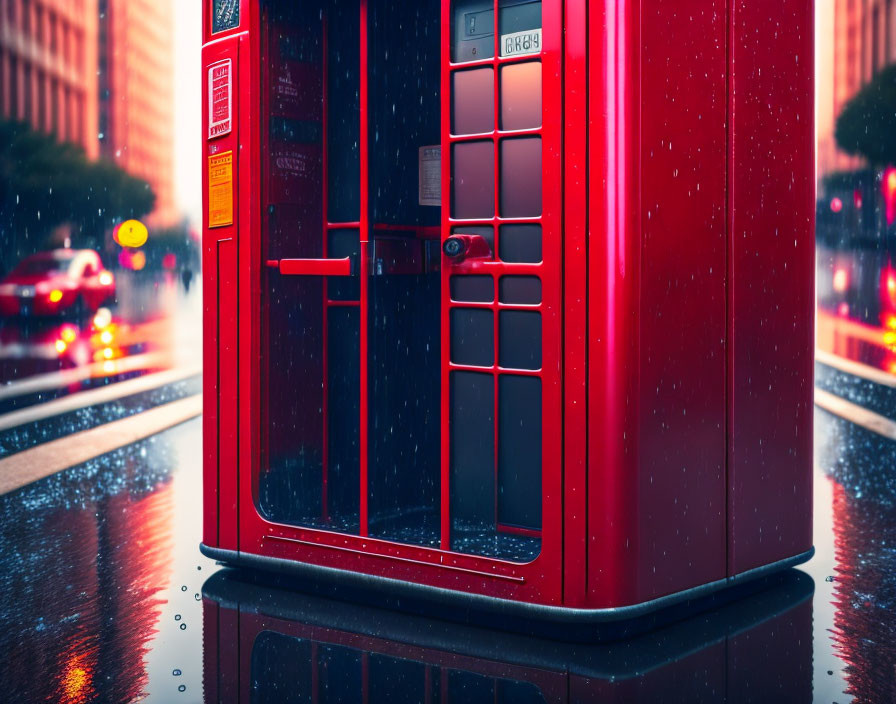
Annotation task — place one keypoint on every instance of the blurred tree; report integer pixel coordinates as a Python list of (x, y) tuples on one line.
[(867, 125), (45, 184)]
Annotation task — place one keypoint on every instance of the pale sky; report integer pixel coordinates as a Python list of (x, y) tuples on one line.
[(824, 63), (188, 108)]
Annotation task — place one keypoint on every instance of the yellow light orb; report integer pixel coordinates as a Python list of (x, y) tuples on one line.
[(131, 233)]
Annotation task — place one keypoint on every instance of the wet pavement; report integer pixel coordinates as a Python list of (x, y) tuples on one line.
[(102, 582), (101, 577), (108, 599)]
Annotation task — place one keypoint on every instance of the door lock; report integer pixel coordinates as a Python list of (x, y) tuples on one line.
[(459, 247)]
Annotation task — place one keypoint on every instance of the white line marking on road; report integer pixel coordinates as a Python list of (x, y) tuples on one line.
[(855, 368), (856, 414), (44, 460), (92, 397), (96, 370)]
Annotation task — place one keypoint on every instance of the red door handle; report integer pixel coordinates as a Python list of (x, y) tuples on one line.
[(312, 267)]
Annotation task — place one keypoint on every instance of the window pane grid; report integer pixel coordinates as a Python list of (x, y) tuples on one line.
[(516, 315)]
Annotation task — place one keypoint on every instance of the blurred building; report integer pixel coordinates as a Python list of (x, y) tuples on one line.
[(864, 41), (136, 94), (48, 67)]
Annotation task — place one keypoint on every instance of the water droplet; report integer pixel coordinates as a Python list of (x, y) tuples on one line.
[(183, 626), (197, 597), (183, 588), (177, 617), (176, 672), (182, 688)]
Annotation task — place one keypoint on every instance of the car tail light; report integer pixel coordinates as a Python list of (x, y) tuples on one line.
[(841, 280), (68, 334), (889, 186), (102, 319), (890, 285)]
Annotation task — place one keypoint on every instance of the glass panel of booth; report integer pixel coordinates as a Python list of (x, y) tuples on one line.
[(309, 469), (473, 29), (322, 336), (495, 342)]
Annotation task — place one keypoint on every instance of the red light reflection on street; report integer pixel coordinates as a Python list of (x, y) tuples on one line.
[(860, 342), (117, 567), (78, 669), (862, 632)]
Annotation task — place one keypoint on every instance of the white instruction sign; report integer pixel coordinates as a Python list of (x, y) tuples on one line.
[(220, 99), (430, 177)]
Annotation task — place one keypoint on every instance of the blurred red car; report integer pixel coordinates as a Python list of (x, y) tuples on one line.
[(54, 282)]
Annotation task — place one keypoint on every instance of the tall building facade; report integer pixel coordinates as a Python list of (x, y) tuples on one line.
[(864, 41), (48, 67), (136, 94)]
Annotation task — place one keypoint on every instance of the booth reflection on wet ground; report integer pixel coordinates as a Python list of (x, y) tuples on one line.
[(102, 578), (302, 648)]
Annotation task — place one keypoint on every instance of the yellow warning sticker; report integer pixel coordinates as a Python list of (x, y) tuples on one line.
[(220, 190)]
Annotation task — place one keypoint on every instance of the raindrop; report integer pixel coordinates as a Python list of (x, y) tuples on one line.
[(183, 588), (183, 626), (197, 597), (176, 672), (182, 688), (177, 617)]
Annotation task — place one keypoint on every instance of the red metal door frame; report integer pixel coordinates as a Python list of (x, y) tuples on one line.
[(226, 377), (575, 294), (549, 564), (537, 581)]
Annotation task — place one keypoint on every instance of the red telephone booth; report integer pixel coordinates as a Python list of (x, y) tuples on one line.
[(509, 299)]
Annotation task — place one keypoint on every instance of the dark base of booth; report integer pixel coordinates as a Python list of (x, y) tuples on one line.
[(544, 621)]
